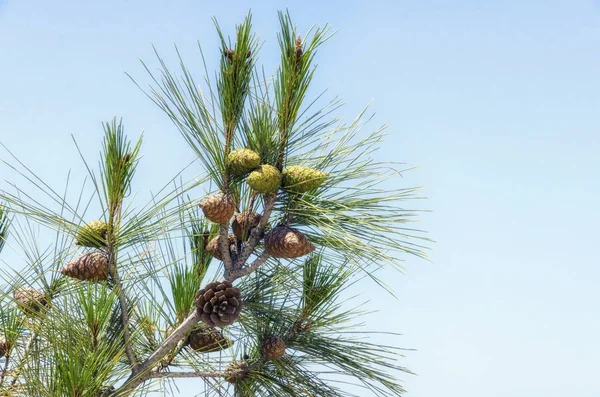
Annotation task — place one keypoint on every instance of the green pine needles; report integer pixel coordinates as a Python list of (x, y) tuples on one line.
[(247, 288)]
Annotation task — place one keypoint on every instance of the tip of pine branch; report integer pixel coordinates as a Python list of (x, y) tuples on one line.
[(230, 54), (299, 49)]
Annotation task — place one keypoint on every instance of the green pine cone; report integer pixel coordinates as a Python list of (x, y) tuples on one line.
[(242, 161), (265, 179), (92, 234), (300, 179)]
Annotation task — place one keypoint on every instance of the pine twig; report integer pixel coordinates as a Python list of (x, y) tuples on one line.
[(224, 246), (26, 349), (124, 315), (4, 370), (256, 233)]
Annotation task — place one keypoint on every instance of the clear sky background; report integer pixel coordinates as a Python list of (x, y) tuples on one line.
[(497, 102)]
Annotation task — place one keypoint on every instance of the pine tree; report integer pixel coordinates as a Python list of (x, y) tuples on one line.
[(244, 287)]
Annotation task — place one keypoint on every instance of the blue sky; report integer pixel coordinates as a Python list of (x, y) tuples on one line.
[(497, 102)]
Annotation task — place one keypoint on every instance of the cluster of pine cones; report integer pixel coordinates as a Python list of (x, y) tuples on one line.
[(92, 266), (281, 241), (265, 178), (219, 303)]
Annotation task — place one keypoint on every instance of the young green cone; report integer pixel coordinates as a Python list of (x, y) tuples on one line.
[(242, 161), (92, 234), (265, 179), (300, 179)]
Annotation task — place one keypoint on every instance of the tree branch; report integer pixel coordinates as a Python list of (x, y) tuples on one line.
[(124, 315), (251, 268), (224, 246), (257, 232), (143, 370), (23, 361), (4, 370)]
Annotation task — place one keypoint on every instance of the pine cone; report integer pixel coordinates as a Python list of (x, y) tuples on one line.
[(30, 300), (208, 340), (265, 179), (3, 347), (300, 179), (285, 242), (243, 224), (219, 304), (236, 371), (242, 161), (273, 348), (92, 234), (214, 248), (217, 208), (92, 266)]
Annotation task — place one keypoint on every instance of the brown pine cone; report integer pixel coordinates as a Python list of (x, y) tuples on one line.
[(30, 300), (236, 371), (208, 340), (92, 266), (217, 208), (214, 248), (243, 224), (285, 242), (3, 347), (219, 304), (273, 348)]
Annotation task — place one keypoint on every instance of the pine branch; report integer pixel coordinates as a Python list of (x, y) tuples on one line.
[(143, 372), (3, 374), (133, 361), (23, 362), (118, 170), (224, 246), (249, 269), (257, 233)]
